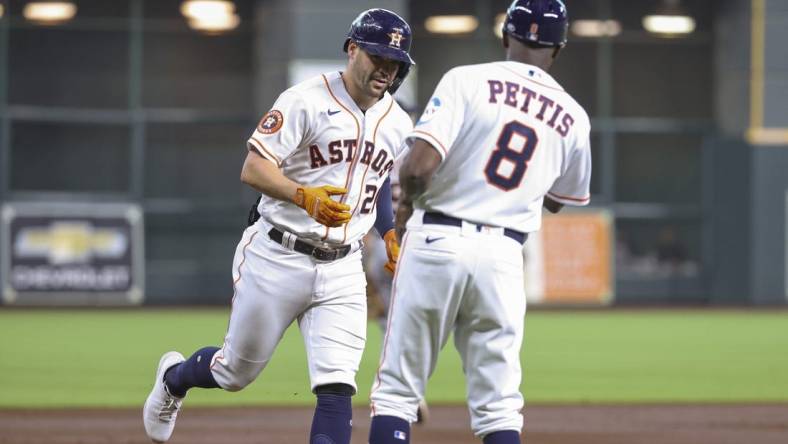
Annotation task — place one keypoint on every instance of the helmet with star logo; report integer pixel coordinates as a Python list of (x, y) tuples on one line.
[(541, 23), (385, 34)]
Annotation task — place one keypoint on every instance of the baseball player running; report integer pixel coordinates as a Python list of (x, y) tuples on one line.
[(320, 157), (496, 143)]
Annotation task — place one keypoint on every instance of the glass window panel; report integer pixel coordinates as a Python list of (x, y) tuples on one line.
[(651, 80), (461, 50), (102, 8), (67, 67), (596, 164), (193, 70), (161, 9), (582, 9), (580, 83), (420, 10), (658, 248), (69, 157), (185, 241), (171, 9), (188, 264), (198, 161), (85, 8), (495, 6), (631, 13), (658, 168)]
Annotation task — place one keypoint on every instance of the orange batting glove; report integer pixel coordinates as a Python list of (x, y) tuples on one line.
[(318, 204), (392, 250)]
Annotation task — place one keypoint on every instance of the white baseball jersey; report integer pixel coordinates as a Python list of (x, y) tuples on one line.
[(508, 134), (318, 136)]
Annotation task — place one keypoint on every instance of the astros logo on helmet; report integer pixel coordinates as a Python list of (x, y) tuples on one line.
[(385, 34), (537, 22)]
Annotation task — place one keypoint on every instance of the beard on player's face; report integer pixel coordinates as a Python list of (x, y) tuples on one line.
[(374, 74)]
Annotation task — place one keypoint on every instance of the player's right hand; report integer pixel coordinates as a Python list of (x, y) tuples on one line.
[(318, 204)]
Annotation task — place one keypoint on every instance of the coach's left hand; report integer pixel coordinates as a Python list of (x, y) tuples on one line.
[(392, 250)]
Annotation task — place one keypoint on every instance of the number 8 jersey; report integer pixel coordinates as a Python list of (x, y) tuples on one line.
[(508, 135)]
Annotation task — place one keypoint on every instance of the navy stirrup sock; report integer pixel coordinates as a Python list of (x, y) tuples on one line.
[(332, 421), (389, 430), (503, 437), (193, 372)]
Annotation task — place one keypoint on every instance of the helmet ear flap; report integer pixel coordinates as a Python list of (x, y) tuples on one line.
[(404, 69)]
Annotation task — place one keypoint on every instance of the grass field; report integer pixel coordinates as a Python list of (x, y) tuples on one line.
[(68, 358)]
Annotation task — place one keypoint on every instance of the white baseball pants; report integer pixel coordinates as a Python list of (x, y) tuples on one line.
[(275, 286), (466, 282)]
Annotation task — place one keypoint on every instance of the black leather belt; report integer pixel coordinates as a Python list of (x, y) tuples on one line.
[(321, 254), (433, 217)]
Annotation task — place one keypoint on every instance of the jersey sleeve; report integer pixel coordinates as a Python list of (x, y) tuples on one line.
[(573, 186), (282, 129), (443, 117), (404, 129)]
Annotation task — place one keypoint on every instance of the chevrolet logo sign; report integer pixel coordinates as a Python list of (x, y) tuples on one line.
[(70, 242)]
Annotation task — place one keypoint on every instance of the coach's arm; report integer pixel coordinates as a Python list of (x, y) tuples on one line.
[(414, 177)]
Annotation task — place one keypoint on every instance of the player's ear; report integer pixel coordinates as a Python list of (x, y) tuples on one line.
[(352, 49)]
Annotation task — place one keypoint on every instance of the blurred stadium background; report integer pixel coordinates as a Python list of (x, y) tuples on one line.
[(147, 105)]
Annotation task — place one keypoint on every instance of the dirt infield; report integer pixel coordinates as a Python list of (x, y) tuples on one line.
[(663, 424)]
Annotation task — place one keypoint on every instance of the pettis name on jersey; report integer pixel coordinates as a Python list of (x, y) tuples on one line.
[(529, 101)]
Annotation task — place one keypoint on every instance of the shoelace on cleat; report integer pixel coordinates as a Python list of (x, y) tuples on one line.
[(169, 409)]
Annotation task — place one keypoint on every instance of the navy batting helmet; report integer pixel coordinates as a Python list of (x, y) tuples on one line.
[(385, 34), (537, 22)]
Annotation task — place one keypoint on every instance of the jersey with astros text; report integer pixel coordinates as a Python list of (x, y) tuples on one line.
[(508, 134), (317, 135)]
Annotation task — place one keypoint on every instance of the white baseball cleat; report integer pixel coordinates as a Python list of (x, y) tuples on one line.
[(161, 408)]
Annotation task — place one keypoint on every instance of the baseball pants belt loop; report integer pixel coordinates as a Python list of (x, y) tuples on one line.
[(291, 242), (288, 240), (436, 218)]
